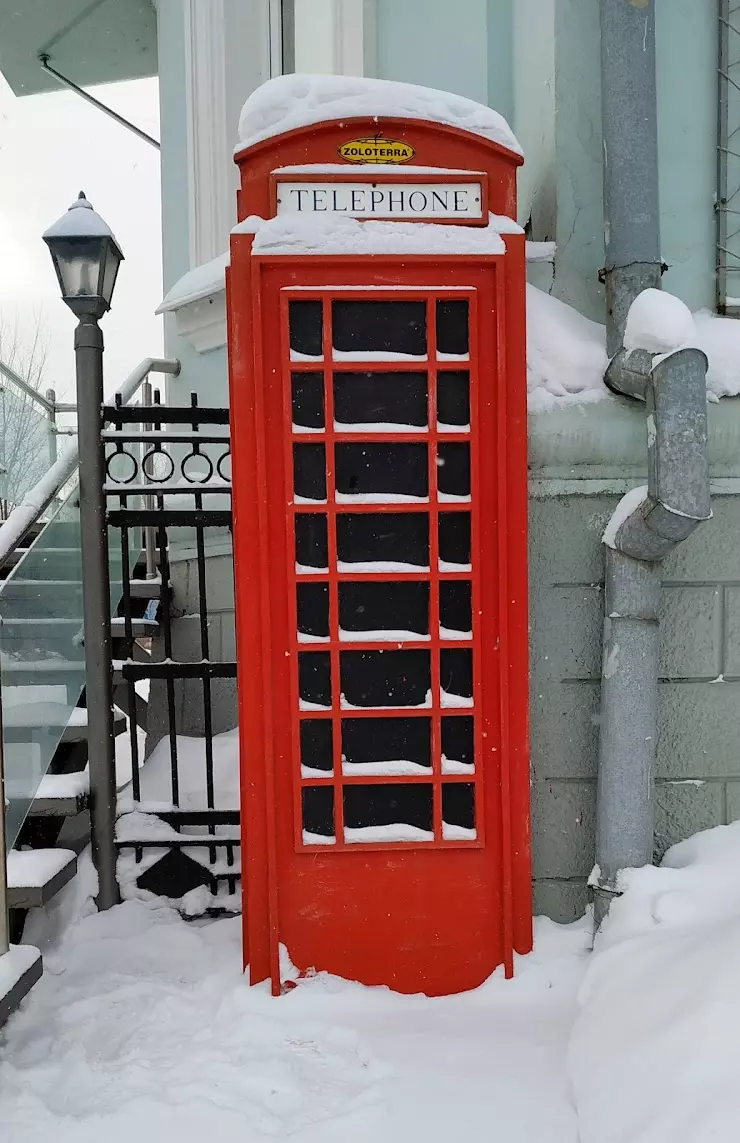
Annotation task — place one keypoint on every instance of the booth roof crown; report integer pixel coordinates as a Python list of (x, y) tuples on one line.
[(291, 101)]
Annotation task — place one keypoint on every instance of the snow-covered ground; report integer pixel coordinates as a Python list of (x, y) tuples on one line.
[(144, 1028)]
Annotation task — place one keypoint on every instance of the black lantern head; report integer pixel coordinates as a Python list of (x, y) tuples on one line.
[(86, 258)]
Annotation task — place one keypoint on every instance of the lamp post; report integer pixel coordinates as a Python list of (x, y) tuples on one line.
[(86, 258)]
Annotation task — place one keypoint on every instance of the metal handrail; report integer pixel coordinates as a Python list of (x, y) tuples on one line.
[(38, 499), (21, 519), (29, 390)]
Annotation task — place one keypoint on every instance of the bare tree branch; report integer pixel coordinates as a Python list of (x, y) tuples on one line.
[(24, 429)]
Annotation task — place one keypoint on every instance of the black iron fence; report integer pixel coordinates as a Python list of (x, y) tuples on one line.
[(168, 489)]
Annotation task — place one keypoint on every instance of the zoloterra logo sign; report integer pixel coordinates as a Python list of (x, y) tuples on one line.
[(376, 150)]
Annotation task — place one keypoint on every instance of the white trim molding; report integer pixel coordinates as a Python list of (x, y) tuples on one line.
[(334, 36), (210, 190)]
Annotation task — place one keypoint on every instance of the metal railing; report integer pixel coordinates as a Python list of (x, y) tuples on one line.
[(24, 517)]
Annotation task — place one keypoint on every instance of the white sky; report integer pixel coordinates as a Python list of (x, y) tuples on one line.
[(51, 147)]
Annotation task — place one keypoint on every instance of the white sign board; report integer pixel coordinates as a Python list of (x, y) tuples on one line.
[(441, 201)]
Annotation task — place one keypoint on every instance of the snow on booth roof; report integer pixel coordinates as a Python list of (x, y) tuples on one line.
[(291, 101), (338, 234)]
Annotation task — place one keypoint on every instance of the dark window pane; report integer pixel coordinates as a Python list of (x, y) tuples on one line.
[(456, 674), (313, 610), (453, 398), (379, 740), (452, 327), (397, 805), (380, 398), (318, 812), (307, 395), (458, 810), (455, 606), (379, 327), (304, 321), (458, 745), (385, 678), (388, 538), (368, 607), (382, 469), (314, 678), (453, 469), (316, 745), (454, 538), (311, 547), (309, 472)]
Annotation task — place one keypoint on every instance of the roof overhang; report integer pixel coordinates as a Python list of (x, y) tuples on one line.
[(88, 41)]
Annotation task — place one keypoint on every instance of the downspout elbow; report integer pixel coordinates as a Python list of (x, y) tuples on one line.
[(677, 499)]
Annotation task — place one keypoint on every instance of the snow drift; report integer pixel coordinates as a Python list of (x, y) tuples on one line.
[(654, 1053)]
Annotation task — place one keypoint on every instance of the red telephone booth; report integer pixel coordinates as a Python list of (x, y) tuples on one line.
[(379, 480)]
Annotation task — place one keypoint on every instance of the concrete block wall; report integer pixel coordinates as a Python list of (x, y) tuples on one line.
[(698, 769)]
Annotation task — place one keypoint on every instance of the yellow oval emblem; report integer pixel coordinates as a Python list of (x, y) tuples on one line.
[(376, 150)]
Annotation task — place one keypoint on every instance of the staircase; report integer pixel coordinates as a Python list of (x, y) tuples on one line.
[(44, 717)]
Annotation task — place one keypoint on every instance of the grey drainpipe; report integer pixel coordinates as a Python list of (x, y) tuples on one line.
[(677, 498)]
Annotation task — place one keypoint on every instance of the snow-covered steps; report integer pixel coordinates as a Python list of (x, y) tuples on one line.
[(37, 875), (146, 588), (61, 795), (140, 628), (20, 968), (18, 720)]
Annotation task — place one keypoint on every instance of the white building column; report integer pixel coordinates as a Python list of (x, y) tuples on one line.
[(212, 55)]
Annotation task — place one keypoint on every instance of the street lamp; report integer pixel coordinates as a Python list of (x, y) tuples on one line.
[(86, 258)]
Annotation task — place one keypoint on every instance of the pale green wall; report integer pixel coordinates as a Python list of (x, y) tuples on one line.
[(687, 111), (465, 47), (687, 129)]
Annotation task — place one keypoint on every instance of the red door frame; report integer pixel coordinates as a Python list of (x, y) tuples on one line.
[(275, 863)]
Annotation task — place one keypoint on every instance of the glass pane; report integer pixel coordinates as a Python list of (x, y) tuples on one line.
[(24, 446), (316, 747), (458, 750), (452, 328), (455, 609), (313, 612), (454, 541), (379, 327), (311, 547), (383, 611), (307, 391), (318, 815), (381, 401), (388, 542), (314, 680), (304, 321), (453, 471), (309, 473), (43, 662), (391, 473), (456, 677), (385, 678), (378, 813), (372, 746), (458, 811), (453, 399)]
